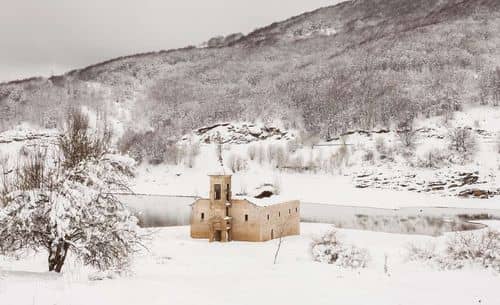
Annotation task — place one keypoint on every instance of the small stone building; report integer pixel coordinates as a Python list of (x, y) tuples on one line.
[(224, 218)]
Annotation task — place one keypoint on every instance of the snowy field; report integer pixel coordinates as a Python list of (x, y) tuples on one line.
[(179, 270)]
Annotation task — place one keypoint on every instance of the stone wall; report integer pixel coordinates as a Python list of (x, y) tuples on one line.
[(249, 222)]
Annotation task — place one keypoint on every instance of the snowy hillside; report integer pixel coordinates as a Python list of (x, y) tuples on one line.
[(323, 172), (360, 168), (362, 64)]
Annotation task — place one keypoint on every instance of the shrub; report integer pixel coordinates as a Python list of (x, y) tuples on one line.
[(172, 154), (276, 155), (482, 248), (78, 143), (295, 163), (260, 156), (252, 152), (476, 248), (407, 137), (190, 152), (380, 145), (341, 156), (156, 150), (368, 155), (433, 158), (292, 146), (328, 249), (419, 253), (131, 143), (281, 157), (236, 163), (307, 139), (462, 141)]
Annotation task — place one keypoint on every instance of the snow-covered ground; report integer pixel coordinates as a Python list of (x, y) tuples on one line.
[(179, 270)]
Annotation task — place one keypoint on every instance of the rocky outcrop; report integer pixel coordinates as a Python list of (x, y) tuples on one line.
[(478, 193), (454, 183), (240, 133)]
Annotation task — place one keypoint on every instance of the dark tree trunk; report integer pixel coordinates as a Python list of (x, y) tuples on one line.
[(57, 256)]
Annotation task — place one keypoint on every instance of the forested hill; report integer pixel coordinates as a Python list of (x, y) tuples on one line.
[(359, 64)]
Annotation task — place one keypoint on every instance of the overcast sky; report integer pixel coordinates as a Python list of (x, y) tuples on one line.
[(45, 37)]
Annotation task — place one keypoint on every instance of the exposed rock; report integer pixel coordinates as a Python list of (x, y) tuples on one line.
[(265, 191), (469, 179), (240, 133), (477, 193), (444, 182), (362, 186), (264, 194)]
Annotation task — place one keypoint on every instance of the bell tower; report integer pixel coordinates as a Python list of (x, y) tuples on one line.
[(220, 222), (220, 189)]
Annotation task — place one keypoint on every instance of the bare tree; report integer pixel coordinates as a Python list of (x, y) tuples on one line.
[(79, 143), (407, 134), (281, 233), (4, 179), (462, 141)]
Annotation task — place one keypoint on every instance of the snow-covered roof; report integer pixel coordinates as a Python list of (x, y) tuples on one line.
[(219, 174), (263, 202)]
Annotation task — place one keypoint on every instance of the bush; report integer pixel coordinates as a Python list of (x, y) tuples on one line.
[(293, 145), (380, 145), (385, 152), (433, 158), (252, 152), (368, 156), (236, 163), (131, 143), (341, 156), (407, 137), (296, 164), (260, 154), (463, 248), (483, 248), (328, 249), (462, 141), (190, 151), (277, 156), (418, 253), (150, 146), (79, 143), (172, 154)]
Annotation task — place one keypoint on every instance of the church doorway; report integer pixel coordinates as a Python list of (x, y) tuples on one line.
[(217, 235)]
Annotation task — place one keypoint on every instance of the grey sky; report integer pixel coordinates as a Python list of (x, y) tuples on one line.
[(44, 37)]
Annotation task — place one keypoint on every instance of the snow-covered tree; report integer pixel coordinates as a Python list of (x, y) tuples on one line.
[(71, 210), (67, 205)]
